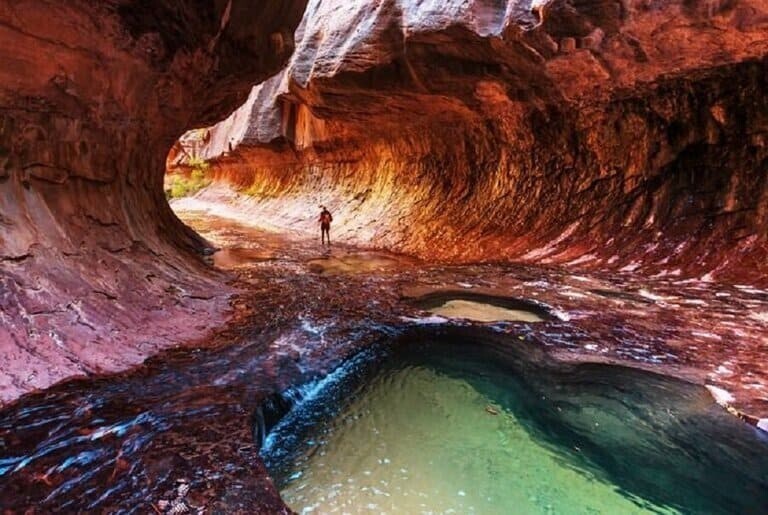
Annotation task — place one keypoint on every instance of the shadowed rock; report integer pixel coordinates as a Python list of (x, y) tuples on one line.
[(96, 269)]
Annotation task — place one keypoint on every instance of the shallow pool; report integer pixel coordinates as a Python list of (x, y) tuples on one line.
[(480, 307), (480, 312), (453, 428)]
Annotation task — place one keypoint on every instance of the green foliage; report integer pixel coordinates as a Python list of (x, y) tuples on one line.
[(179, 185), (198, 164), (198, 134)]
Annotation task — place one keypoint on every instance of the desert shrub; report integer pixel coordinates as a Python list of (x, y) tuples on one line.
[(178, 185)]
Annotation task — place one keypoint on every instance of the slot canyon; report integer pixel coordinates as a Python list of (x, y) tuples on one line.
[(549, 264)]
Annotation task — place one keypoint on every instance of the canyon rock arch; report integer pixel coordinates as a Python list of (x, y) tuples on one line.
[(92, 96), (605, 135)]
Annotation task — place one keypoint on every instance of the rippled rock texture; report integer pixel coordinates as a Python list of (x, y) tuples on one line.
[(96, 272), (630, 135), (119, 443)]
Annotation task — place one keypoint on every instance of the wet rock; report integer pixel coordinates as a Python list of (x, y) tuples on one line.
[(464, 134), (193, 413), (93, 96)]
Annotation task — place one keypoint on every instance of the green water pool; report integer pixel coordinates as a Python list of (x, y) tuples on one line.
[(448, 429)]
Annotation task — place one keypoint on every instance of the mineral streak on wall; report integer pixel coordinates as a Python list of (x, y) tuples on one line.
[(96, 272), (623, 135)]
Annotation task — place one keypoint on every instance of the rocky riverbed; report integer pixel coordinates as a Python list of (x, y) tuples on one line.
[(183, 422)]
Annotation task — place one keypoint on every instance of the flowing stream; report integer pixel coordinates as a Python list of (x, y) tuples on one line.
[(523, 430)]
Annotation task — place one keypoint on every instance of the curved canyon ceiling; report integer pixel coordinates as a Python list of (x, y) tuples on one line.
[(605, 135), (95, 269)]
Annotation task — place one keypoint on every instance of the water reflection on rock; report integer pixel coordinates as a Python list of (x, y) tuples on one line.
[(119, 443), (412, 435)]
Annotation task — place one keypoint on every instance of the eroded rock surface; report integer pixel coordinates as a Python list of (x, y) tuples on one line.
[(96, 272), (123, 442), (624, 135)]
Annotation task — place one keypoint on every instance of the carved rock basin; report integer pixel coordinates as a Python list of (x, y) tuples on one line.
[(465, 423), (479, 307)]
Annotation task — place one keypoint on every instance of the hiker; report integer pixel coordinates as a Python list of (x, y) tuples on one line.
[(325, 225)]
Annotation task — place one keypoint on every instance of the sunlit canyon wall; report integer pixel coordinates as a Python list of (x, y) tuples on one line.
[(96, 272), (627, 136)]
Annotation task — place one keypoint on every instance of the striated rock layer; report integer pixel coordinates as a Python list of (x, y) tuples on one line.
[(96, 272), (630, 135)]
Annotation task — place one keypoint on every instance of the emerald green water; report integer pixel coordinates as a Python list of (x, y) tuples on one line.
[(439, 429)]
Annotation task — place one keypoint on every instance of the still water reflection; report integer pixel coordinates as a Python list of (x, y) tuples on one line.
[(441, 428)]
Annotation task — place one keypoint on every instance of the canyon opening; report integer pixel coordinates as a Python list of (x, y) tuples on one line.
[(386, 256)]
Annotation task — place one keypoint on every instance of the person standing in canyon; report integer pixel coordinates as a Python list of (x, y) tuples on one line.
[(325, 225)]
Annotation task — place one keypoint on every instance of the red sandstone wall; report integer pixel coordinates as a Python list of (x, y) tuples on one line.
[(624, 136), (95, 270)]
